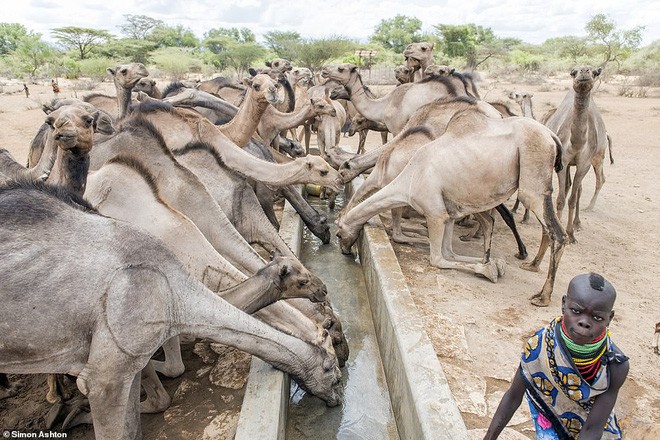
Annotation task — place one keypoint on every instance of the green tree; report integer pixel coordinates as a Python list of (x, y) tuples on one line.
[(11, 34), (569, 47), (84, 40), (32, 53), (474, 43), (173, 36), (285, 44), (313, 54), (398, 32), (242, 35), (176, 61), (615, 45), (137, 27), (241, 56), (127, 49)]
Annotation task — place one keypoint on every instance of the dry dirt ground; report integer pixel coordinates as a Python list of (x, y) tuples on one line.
[(477, 327)]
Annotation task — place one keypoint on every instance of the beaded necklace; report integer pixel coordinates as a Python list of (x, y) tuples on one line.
[(586, 357)]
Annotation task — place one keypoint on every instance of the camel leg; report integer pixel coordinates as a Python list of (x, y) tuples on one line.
[(362, 140), (525, 218), (383, 136), (515, 206), (368, 187), (397, 234), (443, 257), (556, 234), (511, 223), (308, 136), (114, 398), (572, 202), (157, 398), (577, 223), (173, 364), (561, 192), (597, 163)]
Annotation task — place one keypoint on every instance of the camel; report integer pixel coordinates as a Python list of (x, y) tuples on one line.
[(279, 69), (439, 70), (579, 125), (428, 123), (396, 107), (419, 56), (404, 74), (148, 86), (125, 77), (361, 125), (131, 295), (302, 79), (524, 100), (497, 157)]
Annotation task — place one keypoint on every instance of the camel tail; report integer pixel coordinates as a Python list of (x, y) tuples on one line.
[(558, 157), (609, 146)]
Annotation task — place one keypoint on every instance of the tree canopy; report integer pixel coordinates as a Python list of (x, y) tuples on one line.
[(138, 27), (398, 32), (11, 35), (84, 40), (173, 36), (615, 45)]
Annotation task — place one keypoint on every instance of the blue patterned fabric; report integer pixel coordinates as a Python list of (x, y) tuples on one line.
[(557, 392)]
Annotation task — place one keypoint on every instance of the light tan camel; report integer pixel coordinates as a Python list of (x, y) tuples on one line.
[(524, 100), (148, 86), (439, 70), (396, 107), (302, 79), (361, 125), (131, 295), (124, 77), (224, 88), (419, 56), (496, 156), (579, 125)]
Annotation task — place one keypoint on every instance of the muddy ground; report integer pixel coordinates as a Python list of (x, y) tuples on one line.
[(477, 327)]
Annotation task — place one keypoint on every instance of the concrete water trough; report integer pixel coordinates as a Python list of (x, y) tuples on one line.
[(419, 403)]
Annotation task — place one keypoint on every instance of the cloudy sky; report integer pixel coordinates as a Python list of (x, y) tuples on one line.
[(532, 21)]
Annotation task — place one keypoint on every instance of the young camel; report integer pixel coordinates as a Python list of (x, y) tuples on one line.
[(580, 127), (404, 74), (131, 295), (497, 157), (124, 77)]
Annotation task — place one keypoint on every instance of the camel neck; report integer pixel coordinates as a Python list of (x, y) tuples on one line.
[(373, 109), (243, 126), (123, 100), (526, 108), (253, 294), (71, 169), (282, 120)]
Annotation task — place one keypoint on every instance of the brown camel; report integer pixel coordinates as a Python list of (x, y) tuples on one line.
[(131, 295), (404, 74), (579, 125), (148, 86), (439, 70), (224, 88), (396, 107), (419, 56), (497, 156)]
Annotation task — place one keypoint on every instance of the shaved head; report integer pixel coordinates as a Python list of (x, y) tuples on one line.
[(592, 287)]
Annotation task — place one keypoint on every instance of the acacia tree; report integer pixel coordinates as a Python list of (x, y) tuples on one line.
[(173, 36), (615, 45), (137, 27), (84, 40), (285, 44), (398, 32), (313, 54), (475, 43)]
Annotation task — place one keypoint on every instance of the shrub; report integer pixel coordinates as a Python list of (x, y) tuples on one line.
[(96, 68), (176, 62)]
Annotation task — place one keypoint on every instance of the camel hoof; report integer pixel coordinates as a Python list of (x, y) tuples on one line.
[(577, 226), (540, 301), (488, 270), (53, 414), (530, 267), (153, 406), (466, 237), (501, 266), (77, 416), (521, 256), (572, 239)]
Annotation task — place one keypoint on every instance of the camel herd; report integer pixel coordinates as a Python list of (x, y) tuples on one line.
[(136, 218)]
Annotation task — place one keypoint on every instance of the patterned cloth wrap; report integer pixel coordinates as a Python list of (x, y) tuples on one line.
[(560, 400)]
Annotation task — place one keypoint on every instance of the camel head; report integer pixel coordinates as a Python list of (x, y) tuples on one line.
[(318, 171), (320, 98), (403, 74), (280, 64), (127, 75), (345, 236), (263, 88), (358, 123), (146, 85), (340, 72), (295, 281), (519, 97), (418, 54), (74, 127), (439, 70), (302, 76), (584, 78)]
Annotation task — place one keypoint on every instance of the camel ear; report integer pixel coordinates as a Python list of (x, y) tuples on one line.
[(431, 46), (598, 71), (103, 123), (50, 120), (111, 71), (453, 69), (353, 68), (269, 64), (573, 73), (284, 270)]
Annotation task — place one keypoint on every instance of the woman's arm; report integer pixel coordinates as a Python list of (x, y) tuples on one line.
[(604, 403), (507, 407)]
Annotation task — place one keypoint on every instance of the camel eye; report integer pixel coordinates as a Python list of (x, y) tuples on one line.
[(302, 282), (256, 87), (324, 173), (88, 121)]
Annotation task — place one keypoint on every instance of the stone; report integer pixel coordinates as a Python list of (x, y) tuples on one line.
[(222, 426), (469, 390)]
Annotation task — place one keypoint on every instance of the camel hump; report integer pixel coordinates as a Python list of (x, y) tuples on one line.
[(138, 290)]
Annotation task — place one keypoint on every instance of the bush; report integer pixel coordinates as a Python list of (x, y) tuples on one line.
[(176, 62), (96, 68)]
